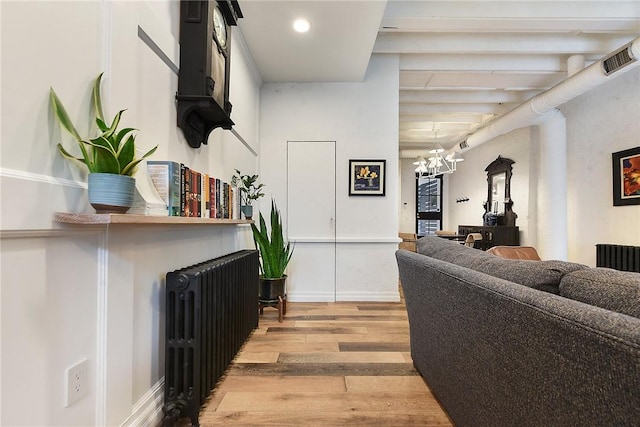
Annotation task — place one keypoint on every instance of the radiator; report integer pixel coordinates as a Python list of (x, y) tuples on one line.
[(619, 257), (211, 309)]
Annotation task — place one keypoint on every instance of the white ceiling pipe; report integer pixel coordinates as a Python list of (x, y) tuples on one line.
[(531, 112), (575, 63)]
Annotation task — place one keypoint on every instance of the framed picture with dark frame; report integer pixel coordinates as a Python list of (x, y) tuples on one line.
[(367, 177), (626, 177)]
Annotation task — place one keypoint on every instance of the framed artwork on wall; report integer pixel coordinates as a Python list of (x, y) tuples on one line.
[(626, 177), (367, 177)]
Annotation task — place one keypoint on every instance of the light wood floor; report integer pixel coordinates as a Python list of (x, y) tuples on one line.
[(328, 364)]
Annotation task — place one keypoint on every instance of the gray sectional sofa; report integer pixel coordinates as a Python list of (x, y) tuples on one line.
[(523, 343)]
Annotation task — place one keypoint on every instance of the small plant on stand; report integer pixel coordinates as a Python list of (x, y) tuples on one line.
[(275, 254), (250, 190)]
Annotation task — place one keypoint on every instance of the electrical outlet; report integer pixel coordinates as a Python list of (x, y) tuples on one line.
[(77, 383)]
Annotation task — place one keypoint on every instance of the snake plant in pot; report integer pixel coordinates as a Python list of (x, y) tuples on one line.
[(110, 156), (275, 254)]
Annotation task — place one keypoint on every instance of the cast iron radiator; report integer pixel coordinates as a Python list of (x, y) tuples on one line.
[(211, 308), (619, 257)]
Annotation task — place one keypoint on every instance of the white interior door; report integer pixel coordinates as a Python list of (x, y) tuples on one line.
[(311, 224)]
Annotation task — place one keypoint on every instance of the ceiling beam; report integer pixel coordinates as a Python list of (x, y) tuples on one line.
[(514, 44), (454, 97), (546, 10), (483, 62), (476, 109)]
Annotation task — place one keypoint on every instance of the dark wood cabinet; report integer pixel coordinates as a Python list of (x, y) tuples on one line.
[(499, 235)]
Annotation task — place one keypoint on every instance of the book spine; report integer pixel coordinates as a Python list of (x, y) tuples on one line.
[(183, 190), (187, 193), (205, 195), (174, 189), (198, 199), (225, 199), (218, 198), (193, 196), (212, 197)]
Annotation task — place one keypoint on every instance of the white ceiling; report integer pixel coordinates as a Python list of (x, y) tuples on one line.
[(462, 63)]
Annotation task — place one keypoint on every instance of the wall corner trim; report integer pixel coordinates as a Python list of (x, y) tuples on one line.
[(148, 410)]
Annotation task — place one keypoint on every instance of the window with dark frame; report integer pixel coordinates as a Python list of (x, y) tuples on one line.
[(428, 205)]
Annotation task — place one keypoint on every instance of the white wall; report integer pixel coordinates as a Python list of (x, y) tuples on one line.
[(73, 292), (470, 180), (363, 120), (599, 123)]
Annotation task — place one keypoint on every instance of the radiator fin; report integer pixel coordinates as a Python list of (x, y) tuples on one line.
[(618, 257), (211, 309)]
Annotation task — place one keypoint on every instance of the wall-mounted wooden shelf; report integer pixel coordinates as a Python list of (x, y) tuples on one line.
[(93, 219)]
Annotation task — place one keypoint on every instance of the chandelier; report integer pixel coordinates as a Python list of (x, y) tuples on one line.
[(436, 164)]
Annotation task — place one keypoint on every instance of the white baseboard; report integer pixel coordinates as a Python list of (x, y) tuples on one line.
[(148, 410), (369, 296), (344, 296)]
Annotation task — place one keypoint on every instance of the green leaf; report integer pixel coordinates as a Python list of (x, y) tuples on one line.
[(102, 125), (131, 167), (120, 136), (97, 98), (68, 155), (105, 159), (114, 125), (127, 153), (62, 116), (274, 252)]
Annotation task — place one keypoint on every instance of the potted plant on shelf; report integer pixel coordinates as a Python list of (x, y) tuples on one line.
[(275, 254), (110, 157), (249, 191)]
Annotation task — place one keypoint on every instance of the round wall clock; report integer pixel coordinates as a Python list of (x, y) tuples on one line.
[(219, 28)]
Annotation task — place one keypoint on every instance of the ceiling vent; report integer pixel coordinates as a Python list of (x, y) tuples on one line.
[(618, 59), (463, 145)]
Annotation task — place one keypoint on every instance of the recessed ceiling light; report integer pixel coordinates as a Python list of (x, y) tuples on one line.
[(301, 25)]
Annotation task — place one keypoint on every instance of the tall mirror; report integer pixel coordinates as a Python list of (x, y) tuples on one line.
[(499, 203), (498, 192)]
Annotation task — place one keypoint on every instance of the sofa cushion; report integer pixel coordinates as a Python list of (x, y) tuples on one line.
[(605, 288), (542, 275)]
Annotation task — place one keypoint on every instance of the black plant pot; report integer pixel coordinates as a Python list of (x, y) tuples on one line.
[(271, 289)]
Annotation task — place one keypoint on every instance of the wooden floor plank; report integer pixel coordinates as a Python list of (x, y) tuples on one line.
[(342, 357), (331, 419), (374, 346), (328, 369), (378, 306), (328, 364), (292, 384), (397, 337), (316, 403), (386, 384), (292, 346), (316, 330), (394, 324), (347, 317), (273, 338), (260, 357)]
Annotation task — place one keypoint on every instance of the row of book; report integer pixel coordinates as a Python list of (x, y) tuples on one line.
[(191, 193)]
